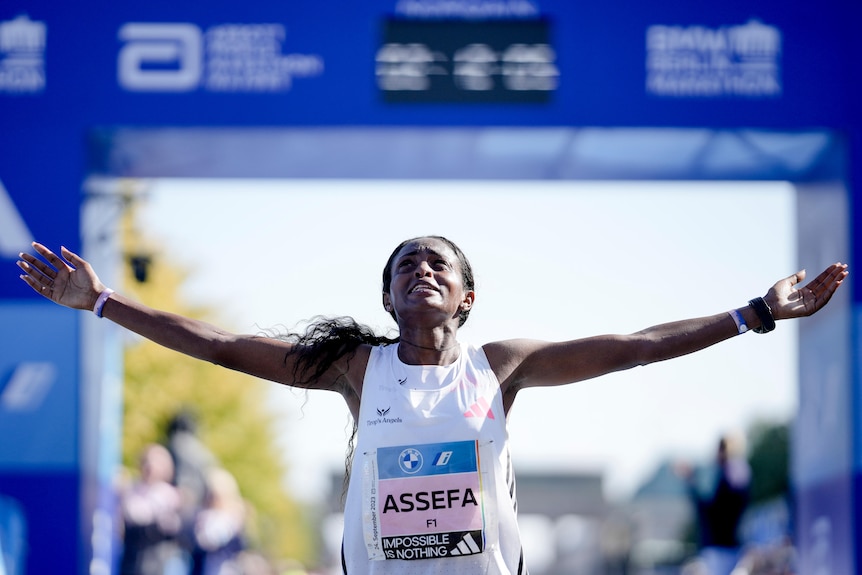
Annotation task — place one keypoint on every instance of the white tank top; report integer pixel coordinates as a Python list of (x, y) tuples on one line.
[(431, 488)]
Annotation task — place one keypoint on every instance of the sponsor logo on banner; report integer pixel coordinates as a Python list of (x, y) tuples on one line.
[(383, 418), (467, 8), (182, 57), (22, 55), (410, 460), (702, 62)]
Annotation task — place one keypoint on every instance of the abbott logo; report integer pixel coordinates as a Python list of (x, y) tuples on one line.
[(160, 57)]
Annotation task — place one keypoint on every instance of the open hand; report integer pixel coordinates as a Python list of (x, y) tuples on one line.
[(787, 302), (68, 280)]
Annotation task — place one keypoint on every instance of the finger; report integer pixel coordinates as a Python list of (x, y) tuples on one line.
[(840, 270), (40, 272), (71, 257), (43, 250), (837, 273), (786, 284), (829, 279), (30, 258), (35, 265), (823, 276), (824, 285), (38, 287), (51, 257), (31, 282)]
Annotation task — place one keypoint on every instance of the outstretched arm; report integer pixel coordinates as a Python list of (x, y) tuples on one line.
[(71, 281), (529, 363)]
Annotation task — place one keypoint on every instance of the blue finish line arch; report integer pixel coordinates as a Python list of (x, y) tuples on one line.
[(422, 89)]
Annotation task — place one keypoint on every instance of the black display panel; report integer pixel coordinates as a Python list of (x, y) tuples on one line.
[(466, 61)]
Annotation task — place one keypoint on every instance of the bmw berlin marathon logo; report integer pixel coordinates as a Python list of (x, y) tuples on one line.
[(410, 460), (431, 501)]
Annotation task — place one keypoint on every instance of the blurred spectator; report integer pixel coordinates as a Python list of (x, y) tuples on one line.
[(151, 518), (193, 462), (616, 545), (192, 459), (219, 527), (775, 559), (720, 507)]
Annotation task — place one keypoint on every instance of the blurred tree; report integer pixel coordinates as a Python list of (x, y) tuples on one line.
[(769, 457), (235, 420)]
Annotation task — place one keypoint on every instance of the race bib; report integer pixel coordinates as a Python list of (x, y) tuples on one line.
[(426, 501)]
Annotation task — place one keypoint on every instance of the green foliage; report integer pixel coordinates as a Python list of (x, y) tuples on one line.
[(234, 419), (769, 457)]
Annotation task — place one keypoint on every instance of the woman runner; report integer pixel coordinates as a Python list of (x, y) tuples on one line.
[(431, 486)]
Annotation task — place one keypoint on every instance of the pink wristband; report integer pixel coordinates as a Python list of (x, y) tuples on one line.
[(100, 302)]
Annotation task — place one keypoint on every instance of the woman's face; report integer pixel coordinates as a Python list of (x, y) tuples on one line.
[(427, 283)]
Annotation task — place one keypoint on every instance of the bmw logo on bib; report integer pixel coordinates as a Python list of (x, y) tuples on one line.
[(410, 460)]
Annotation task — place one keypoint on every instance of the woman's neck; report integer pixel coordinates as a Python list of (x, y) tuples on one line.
[(434, 348), (453, 345)]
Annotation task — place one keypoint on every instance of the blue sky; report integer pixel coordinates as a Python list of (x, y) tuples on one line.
[(553, 261)]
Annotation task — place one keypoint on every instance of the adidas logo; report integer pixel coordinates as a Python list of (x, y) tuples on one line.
[(467, 546), (480, 409)]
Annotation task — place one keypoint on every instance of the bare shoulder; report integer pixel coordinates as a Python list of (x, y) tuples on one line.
[(506, 356), (506, 359)]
